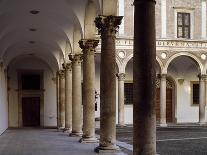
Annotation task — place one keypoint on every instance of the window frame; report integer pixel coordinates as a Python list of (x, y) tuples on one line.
[(127, 82), (191, 11), (183, 25)]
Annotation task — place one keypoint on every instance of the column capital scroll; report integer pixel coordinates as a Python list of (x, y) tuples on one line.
[(88, 45), (121, 76), (77, 58), (108, 25), (162, 76), (67, 66), (61, 74)]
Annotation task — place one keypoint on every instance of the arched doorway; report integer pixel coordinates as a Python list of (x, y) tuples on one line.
[(185, 70)]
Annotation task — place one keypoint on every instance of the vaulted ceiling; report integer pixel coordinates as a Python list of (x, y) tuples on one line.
[(43, 28)]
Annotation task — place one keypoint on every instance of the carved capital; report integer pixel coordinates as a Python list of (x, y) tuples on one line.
[(121, 76), (88, 46), (76, 59), (202, 77), (67, 66), (61, 74), (108, 25), (162, 76)]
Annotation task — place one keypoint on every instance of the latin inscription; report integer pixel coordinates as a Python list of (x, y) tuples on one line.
[(181, 44)]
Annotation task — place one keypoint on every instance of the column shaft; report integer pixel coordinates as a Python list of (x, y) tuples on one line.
[(57, 93), (163, 100), (202, 98), (68, 96), (144, 76), (88, 47), (107, 28), (121, 77), (76, 95), (62, 99)]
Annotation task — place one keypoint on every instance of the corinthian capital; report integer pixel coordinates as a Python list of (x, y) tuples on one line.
[(61, 74), (108, 25), (88, 46), (67, 66), (76, 59)]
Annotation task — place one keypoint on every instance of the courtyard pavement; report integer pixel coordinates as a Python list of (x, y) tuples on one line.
[(174, 140)]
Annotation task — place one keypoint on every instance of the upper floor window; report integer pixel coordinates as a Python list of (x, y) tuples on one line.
[(183, 25)]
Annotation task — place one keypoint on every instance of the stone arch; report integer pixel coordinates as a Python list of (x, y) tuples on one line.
[(193, 57), (128, 58)]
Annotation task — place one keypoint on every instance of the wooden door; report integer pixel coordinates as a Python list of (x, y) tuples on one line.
[(168, 104), (31, 111)]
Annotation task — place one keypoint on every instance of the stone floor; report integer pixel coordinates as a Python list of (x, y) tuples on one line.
[(175, 140), (170, 141), (42, 142)]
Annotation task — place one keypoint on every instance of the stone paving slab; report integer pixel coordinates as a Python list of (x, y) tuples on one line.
[(42, 142)]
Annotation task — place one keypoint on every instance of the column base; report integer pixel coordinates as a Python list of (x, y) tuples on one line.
[(202, 123), (67, 130), (88, 140), (107, 149), (76, 134), (163, 125), (121, 125), (61, 128)]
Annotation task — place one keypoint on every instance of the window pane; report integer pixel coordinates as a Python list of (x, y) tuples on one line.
[(187, 33), (180, 19), (180, 32), (128, 93), (187, 19), (195, 93)]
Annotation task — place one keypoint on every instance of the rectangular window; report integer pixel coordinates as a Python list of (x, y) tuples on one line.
[(183, 25), (195, 93), (30, 81), (128, 93)]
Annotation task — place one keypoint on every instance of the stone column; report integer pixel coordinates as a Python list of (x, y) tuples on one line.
[(121, 78), (62, 99), (163, 100), (202, 97), (88, 47), (107, 26), (144, 76), (68, 96), (57, 93), (76, 95)]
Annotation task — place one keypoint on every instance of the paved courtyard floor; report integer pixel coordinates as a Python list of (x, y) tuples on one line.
[(179, 140), (170, 141), (42, 142)]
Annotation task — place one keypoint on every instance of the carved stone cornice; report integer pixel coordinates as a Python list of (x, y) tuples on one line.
[(76, 59), (67, 66), (61, 74), (108, 25), (121, 76), (88, 45)]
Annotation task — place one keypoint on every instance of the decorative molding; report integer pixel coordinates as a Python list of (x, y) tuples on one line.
[(108, 25), (76, 59), (67, 66), (121, 76), (88, 46)]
